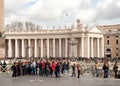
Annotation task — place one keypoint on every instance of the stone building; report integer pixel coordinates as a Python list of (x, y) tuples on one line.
[(2, 40), (74, 41), (112, 40)]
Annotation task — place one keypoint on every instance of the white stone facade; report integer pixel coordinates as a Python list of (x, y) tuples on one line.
[(87, 42)]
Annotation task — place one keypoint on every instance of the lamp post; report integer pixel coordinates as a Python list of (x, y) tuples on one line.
[(72, 42), (28, 50)]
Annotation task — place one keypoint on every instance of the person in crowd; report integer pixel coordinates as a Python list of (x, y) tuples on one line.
[(96, 68), (41, 67), (73, 70), (37, 66), (19, 68), (78, 70), (115, 69), (57, 70), (68, 66), (33, 66), (64, 67), (23, 68), (106, 69), (53, 67), (27, 67), (14, 70), (47, 68)]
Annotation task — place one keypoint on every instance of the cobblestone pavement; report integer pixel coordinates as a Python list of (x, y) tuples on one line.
[(65, 80)]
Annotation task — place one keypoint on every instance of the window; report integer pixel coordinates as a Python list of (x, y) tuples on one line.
[(116, 41), (107, 36), (109, 30), (107, 42), (116, 36), (117, 54), (117, 49), (118, 30)]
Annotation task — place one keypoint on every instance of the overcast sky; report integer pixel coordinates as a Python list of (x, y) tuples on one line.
[(63, 12)]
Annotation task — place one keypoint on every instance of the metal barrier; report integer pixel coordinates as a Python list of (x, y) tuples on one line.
[(5, 68), (86, 69), (89, 69)]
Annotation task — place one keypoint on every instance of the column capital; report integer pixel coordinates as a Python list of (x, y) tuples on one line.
[(35, 38), (22, 39), (91, 37), (9, 38)]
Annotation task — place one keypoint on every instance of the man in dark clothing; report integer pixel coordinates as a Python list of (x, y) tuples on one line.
[(57, 70), (115, 69), (14, 69)]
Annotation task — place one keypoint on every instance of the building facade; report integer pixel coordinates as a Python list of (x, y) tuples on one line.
[(1, 15), (112, 40), (75, 41)]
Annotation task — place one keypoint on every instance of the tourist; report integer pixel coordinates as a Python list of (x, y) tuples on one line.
[(64, 64), (78, 70), (23, 68), (53, 67), (68, 66), (115, 69), (14, 70), (47, 68), (41, 68), (33, 66), (106, 69), (73, 71), (96, 68), (57, 70)]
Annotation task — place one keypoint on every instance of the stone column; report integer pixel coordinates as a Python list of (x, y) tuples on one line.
[(59, 47), (75, 49), (9, 49), (35, 48), (92, 47), (29, 48), (48, 47), (23, 48), (53, 47), (82, 46), (42, 48), (102, 48), (66, 47), (98, 48), (88, 47), (16, 48)]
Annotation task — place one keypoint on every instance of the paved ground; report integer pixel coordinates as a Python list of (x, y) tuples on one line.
[(66, 80)]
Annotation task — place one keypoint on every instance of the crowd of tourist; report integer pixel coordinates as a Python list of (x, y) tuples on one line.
[(41, 68), (57, 67)]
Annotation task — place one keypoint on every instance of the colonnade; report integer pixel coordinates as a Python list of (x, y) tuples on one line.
[(55, 47)]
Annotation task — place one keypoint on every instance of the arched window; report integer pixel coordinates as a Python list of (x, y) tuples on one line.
[(108, 49)]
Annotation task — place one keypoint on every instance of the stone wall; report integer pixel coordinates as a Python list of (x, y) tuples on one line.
[(2, 48)]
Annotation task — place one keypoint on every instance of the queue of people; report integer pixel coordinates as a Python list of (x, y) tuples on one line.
[(45, 67), (41, 68)]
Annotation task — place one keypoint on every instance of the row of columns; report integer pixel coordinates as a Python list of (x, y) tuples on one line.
[(82, 50)]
